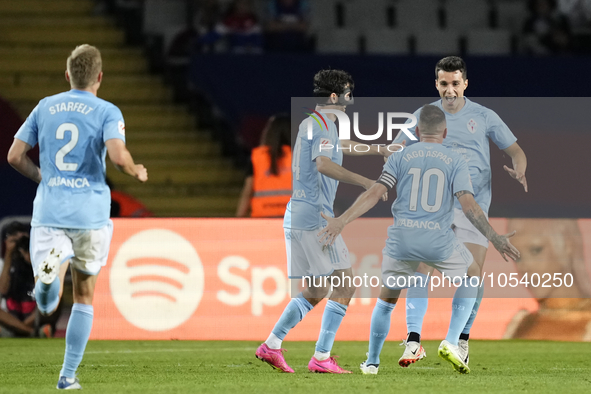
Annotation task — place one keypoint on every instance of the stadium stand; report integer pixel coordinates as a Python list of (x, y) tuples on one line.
[(188, 175), (488, 42), (378, 15), (323, 15), (510, 15), (464, 15), (338, 41), (387, 42), (418, 15), (437, 42)]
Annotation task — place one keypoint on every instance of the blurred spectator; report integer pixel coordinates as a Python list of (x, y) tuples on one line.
[(577, 11), (124, 205), (17, 285), (209, 15), (201, 36), (546, 31), (267, 187), (241, 27), (287, 25)]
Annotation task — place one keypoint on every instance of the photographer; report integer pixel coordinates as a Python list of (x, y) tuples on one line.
[(17, 285)]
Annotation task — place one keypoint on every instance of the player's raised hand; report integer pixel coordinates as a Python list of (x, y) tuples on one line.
[(504, 247), (332, 230), (392, 148), (520, 177), (141, 173)]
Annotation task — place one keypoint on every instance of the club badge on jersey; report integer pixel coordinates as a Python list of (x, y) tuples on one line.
[(472, 125)]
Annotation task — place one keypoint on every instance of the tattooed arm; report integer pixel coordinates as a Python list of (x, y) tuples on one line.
[(477, 217)]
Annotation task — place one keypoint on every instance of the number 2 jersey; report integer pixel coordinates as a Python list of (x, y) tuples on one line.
[(71, 129), (427, 176)]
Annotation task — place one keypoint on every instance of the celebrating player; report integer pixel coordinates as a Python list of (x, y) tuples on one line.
[(317, 170), (74, 130), (427, 176), (470, 126)]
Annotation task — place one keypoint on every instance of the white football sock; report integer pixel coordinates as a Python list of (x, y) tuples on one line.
[(273, 342), (321, 356)]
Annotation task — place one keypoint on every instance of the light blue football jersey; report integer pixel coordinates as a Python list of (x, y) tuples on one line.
[(71, 129), (428, 175), (312, 192), (468, 133)]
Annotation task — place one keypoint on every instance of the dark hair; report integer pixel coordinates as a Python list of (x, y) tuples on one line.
[(532, 4), (431, 117), (327, 82), (23, 243), (277, 133), (16, 227), (451, 64)]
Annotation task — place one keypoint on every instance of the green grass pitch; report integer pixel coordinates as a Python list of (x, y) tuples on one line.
[(32, 366)]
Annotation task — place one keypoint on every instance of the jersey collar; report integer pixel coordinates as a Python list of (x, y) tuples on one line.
[(460, 112), (81, 92)]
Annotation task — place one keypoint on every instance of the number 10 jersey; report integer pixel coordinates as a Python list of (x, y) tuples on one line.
[(427, 177)]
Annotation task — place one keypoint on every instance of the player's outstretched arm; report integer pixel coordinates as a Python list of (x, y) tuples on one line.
[(327, 167), (364, 203), (122, 159), (519, 164), (474, 213), (18, 159)]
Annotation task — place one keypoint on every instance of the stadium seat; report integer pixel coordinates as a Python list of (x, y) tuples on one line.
[(417, 15), (323, 15), (463, 15), (511, 15), (160, 14), (437, 42), (338, 41), (387, 42), (489, 42), (367, 16)]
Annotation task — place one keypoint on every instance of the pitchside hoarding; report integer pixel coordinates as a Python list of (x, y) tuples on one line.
[(226, 279)]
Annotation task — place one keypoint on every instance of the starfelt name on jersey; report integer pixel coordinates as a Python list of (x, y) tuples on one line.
[(70, 106), (74, 183)]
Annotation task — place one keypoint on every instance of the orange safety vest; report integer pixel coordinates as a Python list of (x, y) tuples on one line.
[(271, 193)]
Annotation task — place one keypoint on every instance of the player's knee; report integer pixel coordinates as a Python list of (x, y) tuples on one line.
[(318, 293), (350, 291), (344, 291), (474, 270), (389, 296)]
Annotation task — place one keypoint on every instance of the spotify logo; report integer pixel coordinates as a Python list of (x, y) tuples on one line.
[(156, 280)]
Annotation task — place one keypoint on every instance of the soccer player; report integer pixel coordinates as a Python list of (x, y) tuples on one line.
[(71, 224), (470, 126), (317, 170), (427, 176)]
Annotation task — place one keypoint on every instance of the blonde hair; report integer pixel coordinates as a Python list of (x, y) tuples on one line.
[(84, 66)]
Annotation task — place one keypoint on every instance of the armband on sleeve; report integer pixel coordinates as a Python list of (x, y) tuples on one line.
[(387, 180)]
